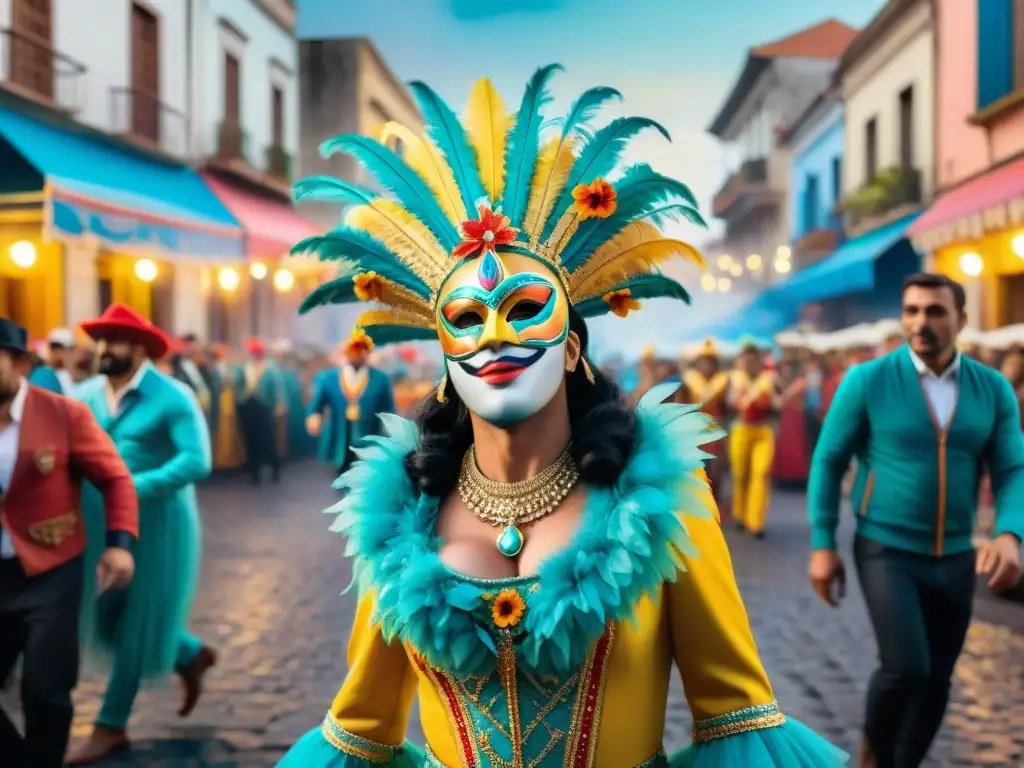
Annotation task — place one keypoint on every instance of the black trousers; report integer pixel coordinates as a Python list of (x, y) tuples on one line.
[(259, 432), (920, 607), (39, 622), (812, 430)]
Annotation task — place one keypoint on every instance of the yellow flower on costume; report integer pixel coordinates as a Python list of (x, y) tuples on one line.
[(621, 302), (508, 608), (359, 341), (368, 286)]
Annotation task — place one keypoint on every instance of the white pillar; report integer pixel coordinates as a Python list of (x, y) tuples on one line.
[(189, 296), (81, 283), (973, 289)]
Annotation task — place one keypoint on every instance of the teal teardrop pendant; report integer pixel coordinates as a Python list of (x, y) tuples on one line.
[(510, 542)]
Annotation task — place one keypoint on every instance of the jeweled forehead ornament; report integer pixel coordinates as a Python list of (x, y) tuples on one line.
[(490, 185)]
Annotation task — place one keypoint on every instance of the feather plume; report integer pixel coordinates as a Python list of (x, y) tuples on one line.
[(342, 290), (650, 286), (393, 173), (553, 165), (634, 251), (584, 109), (328, 188), (403, 235), (599, 157), (449, 136), (387, 326), (488, 124), (423, 157), (524, 144), (359, 250)]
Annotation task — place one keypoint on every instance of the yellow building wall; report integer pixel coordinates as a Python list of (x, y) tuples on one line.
[(125, 287), (32, 297), (999, 261)]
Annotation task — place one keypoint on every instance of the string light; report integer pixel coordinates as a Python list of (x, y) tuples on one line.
[(146, 270), (228, 279), (971, 264), (258, 270), (284, 280)]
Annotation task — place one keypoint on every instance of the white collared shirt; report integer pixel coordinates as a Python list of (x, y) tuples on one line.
[(942, 390), (10, 438), (67, 383), (114, 398)]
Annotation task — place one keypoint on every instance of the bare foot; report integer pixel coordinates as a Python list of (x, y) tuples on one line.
[(102, 743), (192, 677)]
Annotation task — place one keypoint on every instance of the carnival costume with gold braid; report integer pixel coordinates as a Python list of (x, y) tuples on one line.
[(569, 667)]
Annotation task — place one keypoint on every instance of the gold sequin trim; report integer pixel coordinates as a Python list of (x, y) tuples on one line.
[(586, 711), (741, 721), (350, 744)]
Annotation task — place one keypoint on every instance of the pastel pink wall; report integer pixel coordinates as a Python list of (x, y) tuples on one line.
[(963, 150)]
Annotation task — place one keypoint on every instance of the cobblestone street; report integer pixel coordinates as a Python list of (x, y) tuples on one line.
[(271, 605)]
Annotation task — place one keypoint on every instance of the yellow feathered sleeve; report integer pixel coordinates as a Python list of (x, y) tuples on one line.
[(367, 721)]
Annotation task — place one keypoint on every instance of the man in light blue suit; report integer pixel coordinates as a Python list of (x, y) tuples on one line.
[(346, 402), (56, 376), (162, 436)]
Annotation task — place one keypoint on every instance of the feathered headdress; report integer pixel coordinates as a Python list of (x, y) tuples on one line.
[(493, 181)]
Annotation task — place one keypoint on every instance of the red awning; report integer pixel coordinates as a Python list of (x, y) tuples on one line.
[(990, 202), (271, 226)]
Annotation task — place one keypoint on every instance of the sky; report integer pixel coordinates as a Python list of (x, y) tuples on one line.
[(674, 61)]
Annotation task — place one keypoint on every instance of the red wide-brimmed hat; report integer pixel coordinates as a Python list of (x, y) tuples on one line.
[(255, 346), (121, 323)]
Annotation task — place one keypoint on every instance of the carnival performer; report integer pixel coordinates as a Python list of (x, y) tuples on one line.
[(921, 422), (351, 399), (708, 385), (156, 424), (752, 438), (56, 375), (47, 444), (520, 552), (260, 400)]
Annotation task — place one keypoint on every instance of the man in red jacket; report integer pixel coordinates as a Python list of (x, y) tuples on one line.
[(48, 443)]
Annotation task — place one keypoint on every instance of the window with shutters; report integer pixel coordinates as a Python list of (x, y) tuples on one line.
[(145, 73), (232, 88), (996, 43), (907, 128), (277, 112), (870, 150), (31, 46)]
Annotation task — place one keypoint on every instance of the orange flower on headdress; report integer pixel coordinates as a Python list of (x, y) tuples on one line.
[(368, 286), (485, 233), (508, 608), (359, 341), (621, 302), (595, 200)]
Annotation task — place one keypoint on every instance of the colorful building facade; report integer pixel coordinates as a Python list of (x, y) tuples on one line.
[(974, 232)]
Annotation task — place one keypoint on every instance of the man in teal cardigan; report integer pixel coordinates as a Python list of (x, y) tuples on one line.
[(920, 421)]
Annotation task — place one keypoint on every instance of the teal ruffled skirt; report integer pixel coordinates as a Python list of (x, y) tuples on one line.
[(143, 625)]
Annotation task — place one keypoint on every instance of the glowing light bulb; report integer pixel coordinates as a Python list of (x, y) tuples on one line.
[(782, 266), (1017, 244), (146, 270), (724, 262), (708, 282), (783, 252), (971, 264), (228, 279), (724, 284), (754, 262), (23, 254), (284, 280), (258, 271)]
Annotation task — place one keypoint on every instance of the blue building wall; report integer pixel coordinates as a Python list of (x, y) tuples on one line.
[(816, 179)]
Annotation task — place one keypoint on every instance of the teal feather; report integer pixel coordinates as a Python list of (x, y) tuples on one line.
[(330, 188), (524, 145), (599, 158), (641, 193), (651, 286), (366, 253), (449, 136), (585, 107), (632, 541), (395, 334), (338, 291), (393, 173)]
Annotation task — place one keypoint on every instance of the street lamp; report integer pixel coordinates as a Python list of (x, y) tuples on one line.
[(971, 264), (258, 270), (23, 254), (145, 270), (284, 280), (228, 279)]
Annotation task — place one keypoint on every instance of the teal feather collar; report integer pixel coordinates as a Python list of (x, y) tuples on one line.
[(629, 544)]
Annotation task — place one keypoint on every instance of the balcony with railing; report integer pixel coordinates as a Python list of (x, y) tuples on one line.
[(142, 118), (890, 195), (818, 240), (749, 184), (32, 69)]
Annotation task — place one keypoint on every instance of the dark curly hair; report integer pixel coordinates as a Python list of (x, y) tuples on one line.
[(603, 430)]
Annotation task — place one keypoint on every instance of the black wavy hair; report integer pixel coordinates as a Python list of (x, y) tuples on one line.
[(603, 430)]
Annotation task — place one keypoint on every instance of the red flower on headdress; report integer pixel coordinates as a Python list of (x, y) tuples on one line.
[(484, 234), (595, 200), (621, 302)]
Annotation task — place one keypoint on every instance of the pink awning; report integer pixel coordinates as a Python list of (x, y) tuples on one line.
[(271, 226), (990, 202)]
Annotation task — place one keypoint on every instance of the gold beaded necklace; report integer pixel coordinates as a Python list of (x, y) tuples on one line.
[(511, 505)]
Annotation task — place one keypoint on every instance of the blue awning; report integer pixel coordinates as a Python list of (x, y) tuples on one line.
[(128, 200), (758, 321), (851, 268)]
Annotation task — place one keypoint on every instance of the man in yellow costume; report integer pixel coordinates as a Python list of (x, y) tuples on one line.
[(706, 383), (520, 552), (752, 438)]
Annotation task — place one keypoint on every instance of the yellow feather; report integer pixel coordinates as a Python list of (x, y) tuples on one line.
[(487, 123), (549, 176), (424, 158), (398, 297), (404, 235), (634, 251), (373, 317)]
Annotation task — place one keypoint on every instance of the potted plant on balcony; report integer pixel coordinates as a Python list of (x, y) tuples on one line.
[(279, 162), (230, 141)]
